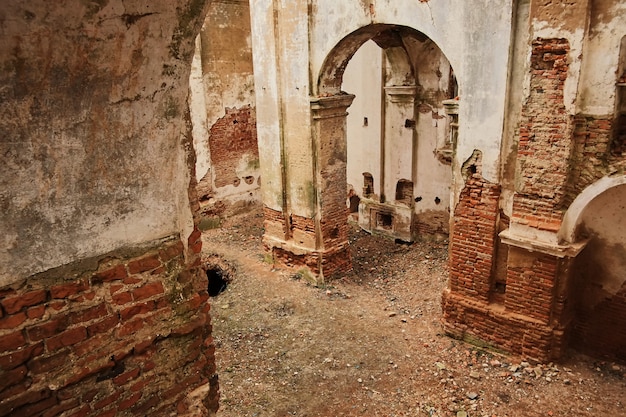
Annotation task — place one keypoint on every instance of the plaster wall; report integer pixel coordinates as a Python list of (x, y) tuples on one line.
[(93, 157), (601, 57), (406, 157), (604, 221), (222, 80), (363, 79), (477, 48)]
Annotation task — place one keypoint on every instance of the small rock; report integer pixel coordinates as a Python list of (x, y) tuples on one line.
[(524, 364), (392, 314), (441, 366), (514, 368), (461, 414), (474, 374), (472, 395)]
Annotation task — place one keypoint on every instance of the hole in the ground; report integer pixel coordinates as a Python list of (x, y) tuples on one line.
[(217, 282), (219, 273)]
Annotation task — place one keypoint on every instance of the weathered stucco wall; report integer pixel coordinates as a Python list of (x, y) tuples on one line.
[(475, 37), (363, 79), (223, 109), (92, 116), (103, 299)]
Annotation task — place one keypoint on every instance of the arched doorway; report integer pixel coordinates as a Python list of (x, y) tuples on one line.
[(329, 130), (399, 131), (598, 280)]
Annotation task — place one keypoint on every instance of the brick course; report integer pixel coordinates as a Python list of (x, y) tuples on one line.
[(232, 137), (109, 337)]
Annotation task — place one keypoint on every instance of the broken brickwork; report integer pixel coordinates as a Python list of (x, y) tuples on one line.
[(473, 238), (545, 145), (129, 336), (597, 152), (233, 140)]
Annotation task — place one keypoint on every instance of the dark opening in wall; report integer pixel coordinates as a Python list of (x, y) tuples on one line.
[(217, 283), (368, 184), (404, 190), (219, 275), (384, 221)]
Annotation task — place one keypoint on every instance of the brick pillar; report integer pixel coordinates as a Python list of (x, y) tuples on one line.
[(330, 153), (473, 238)]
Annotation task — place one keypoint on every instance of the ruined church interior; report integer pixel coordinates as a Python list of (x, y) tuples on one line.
[(131, 129)]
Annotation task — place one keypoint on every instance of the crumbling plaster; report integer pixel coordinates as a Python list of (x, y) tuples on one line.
[(93, 140), (599, 71), (473, 35)]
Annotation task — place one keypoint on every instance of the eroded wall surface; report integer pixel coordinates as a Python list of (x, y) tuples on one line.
[(561, 142), (223, 110), (103, 303), (300, 53)]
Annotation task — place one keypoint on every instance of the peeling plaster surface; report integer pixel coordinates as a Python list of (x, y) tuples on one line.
[(362, 77), (92, 141), (601, 60), (474, 36), (604, 221)]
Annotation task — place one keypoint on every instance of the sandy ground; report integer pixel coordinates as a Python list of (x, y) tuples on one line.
[(371, 343)]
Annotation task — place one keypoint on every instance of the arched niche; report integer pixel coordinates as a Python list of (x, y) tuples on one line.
[(573, 216), (598, 281)]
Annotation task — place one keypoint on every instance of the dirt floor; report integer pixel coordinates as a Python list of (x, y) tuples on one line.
[(371, 343)]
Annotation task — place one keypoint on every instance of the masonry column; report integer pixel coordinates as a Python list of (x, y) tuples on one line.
[(538, 264), (330, 150)]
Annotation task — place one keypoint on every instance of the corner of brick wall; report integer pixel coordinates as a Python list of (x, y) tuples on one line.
[(130, 337), (473, 237)]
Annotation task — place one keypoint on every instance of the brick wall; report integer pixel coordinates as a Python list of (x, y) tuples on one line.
[(482, 323), (602, 331), (530, 284), (591, 154), (130, 335), (232, 137), (473, 238), (545, 139)]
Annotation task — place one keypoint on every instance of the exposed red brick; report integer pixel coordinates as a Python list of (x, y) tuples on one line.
[(36, 409), (42, 364), (117, 272), (16, 303), (11, 322), (171, 252), (36, 312), (125, 377), (82, 412), (122, 298), (231, 137), (148, 290), (67, 338), (129, 402), (108, 400), (88, 314), (12, 341), (61, 407), (144, 264), (47, 329), (103, 325), (19, 356), (67, 290), (12, 377)]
